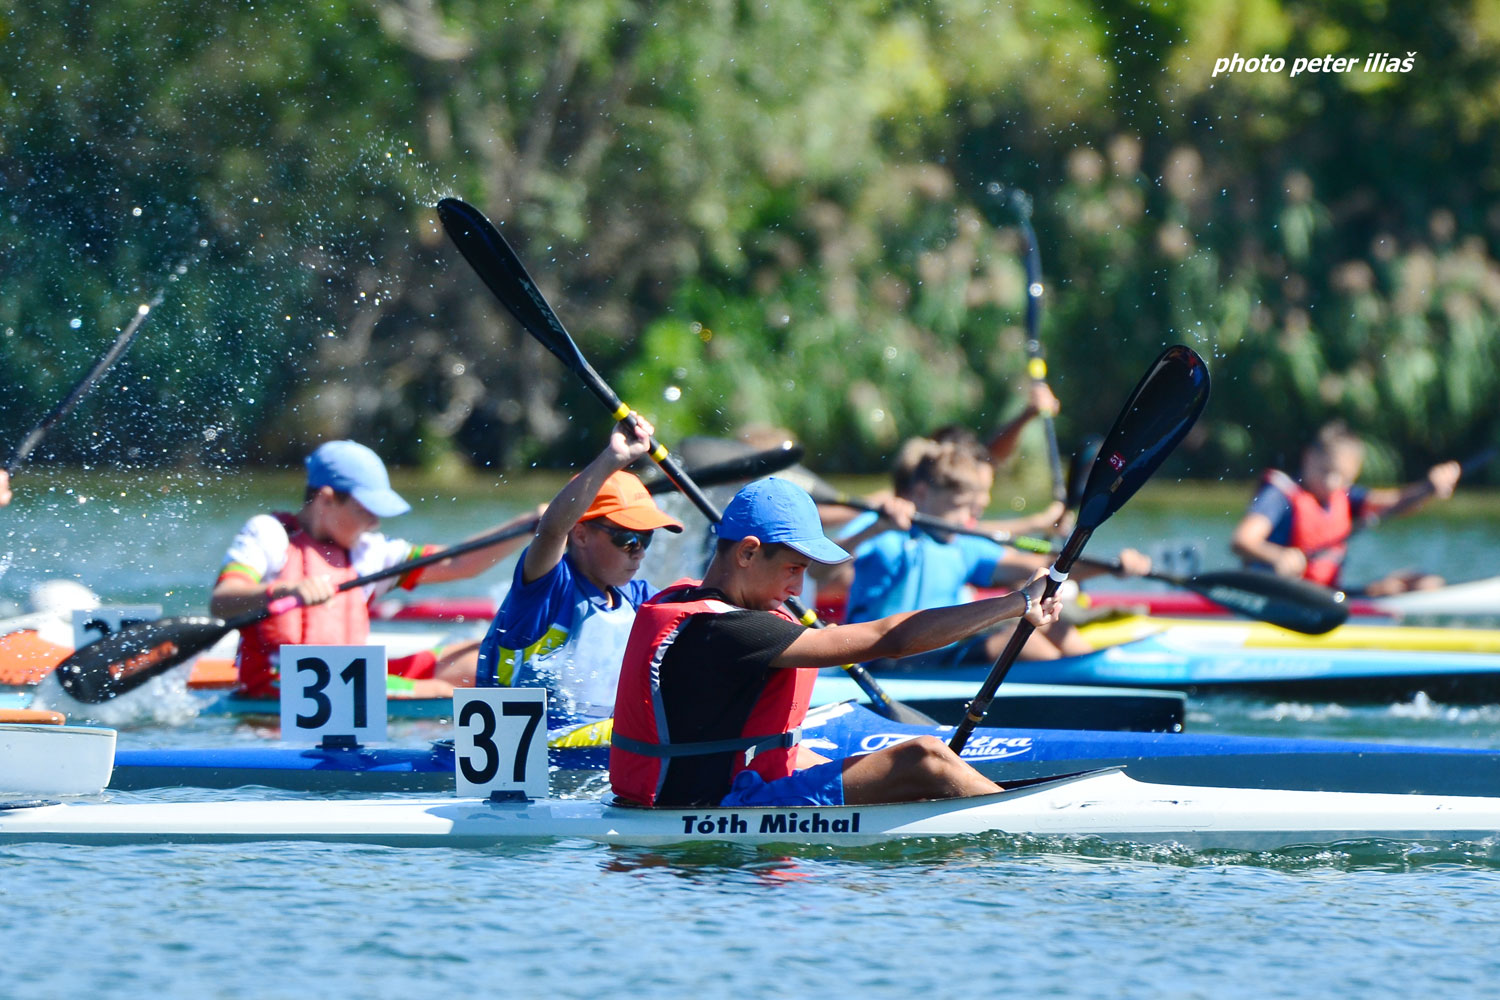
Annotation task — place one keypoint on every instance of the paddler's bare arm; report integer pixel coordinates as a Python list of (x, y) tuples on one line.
[(473, 563), (913, 631), (572, 501), (1440, 482), (1252, 541), (237, 595)]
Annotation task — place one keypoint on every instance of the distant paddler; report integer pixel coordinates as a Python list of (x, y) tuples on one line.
[(564, 622), (900, 566), (1300, 528), (332, 539)]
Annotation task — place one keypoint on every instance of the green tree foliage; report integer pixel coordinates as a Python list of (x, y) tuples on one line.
[(790, 214)]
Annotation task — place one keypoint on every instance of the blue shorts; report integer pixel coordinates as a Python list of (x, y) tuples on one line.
[(819, 785)]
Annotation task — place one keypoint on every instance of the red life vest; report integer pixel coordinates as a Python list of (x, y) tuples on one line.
[(642, 749), (1322, 533), (344, 620)]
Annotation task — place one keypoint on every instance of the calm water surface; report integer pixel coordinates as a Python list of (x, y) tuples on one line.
[(957, 918)]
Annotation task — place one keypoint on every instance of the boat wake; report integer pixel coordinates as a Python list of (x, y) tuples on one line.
[(161, 701), (989, 849)]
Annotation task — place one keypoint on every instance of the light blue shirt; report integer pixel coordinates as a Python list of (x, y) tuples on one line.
[(911, 571)]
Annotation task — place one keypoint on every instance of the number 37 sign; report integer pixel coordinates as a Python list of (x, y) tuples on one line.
[(500, 741)]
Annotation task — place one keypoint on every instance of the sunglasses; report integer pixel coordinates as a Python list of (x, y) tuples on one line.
[(629, 539)]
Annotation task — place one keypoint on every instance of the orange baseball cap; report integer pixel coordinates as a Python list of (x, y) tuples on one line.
[(624, 500)]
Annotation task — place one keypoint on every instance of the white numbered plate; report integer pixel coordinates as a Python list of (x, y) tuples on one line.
[(333, 691), (500, 741), (95, 623)]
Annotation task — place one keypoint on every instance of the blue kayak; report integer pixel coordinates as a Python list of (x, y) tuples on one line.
[(847, 729), (1200, 663)]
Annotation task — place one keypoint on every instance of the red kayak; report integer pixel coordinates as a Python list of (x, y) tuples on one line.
[(1183, 604)]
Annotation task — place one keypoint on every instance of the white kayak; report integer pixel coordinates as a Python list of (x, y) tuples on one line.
[(1475, 598), (55, 760), (1104, 805)]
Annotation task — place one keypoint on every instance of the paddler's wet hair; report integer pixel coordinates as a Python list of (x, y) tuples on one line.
[(946, 465), (912, 453), (1336, 436), (962, 437)]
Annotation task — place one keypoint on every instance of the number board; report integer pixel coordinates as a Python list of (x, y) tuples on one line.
[(96, 623), (333, 691), (500, 741)]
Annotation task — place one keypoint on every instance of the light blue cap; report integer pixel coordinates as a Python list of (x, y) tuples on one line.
[(775, 510), (350, 467)]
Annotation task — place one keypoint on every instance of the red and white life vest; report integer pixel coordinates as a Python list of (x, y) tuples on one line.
[(344, 620), (771, 728), (1320, 532)]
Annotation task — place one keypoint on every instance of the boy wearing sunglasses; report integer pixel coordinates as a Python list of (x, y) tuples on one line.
[(564, 623)]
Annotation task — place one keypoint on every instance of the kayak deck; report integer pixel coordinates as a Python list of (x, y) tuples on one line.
[(1099, 805)]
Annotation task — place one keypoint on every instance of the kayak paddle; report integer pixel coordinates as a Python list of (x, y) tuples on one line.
[(1159, 413), (129, 658), (1290, 604), (1036, 364), (1295, 605), (122, 342), (501, 269)]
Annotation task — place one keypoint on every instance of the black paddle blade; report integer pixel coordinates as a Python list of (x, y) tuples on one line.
[(1158, 415), (1298, 605), (498, 267), (129, 658), (746, 467), (1078, 469)]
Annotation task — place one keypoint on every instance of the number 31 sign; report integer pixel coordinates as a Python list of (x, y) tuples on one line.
[(333, 691)]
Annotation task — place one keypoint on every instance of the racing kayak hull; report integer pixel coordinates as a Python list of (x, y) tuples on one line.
[(1214, 661), (1260, 635), (844, 730), (1099, 806), (55, 760), (1473, 599)]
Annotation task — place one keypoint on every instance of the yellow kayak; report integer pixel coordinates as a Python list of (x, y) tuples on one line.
[(1258, 635)]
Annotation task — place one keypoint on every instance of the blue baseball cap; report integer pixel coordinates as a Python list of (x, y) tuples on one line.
[(350, 467), (775, 510)]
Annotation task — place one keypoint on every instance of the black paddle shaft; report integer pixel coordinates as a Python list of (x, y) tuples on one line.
[(1036, 365), (122, 342), (500, 268), (1157, 416)]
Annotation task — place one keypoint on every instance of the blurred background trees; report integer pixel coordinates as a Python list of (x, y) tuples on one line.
[(790, 214)]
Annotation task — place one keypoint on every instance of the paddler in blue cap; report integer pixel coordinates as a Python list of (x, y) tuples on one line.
[(716, 677), (332, 539), (564, 623)]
